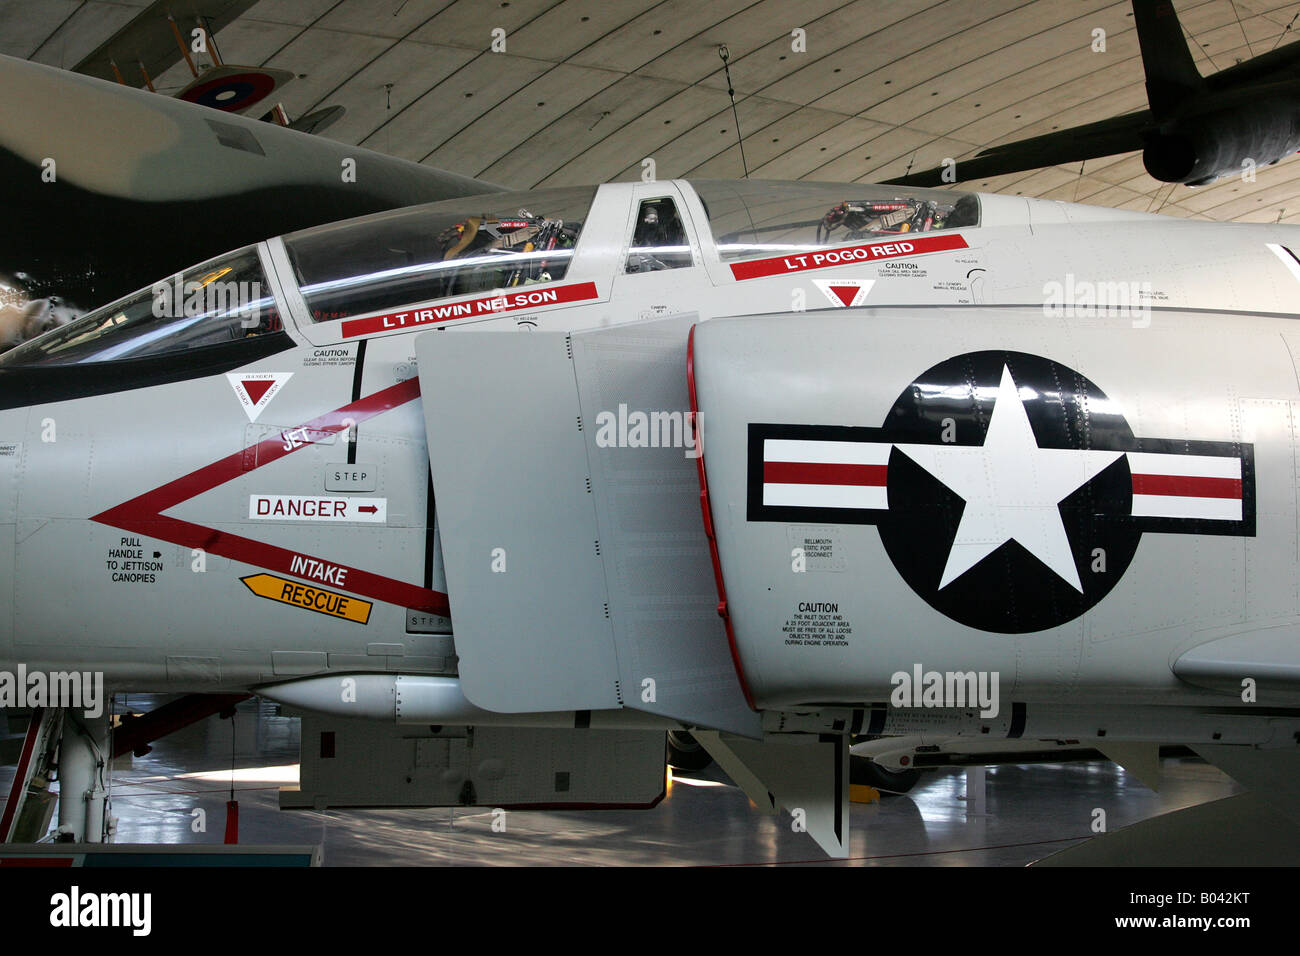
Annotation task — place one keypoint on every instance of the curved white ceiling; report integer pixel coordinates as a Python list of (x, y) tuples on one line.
[(586, 89)]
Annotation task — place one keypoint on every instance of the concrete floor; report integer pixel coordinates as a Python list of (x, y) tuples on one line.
[(1032, 811)]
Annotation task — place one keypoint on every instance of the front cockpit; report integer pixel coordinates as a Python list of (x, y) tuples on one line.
[(218, 303), (438, 251)]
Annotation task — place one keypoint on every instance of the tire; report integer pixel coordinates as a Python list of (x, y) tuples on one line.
[(685, 753), (864, 770)]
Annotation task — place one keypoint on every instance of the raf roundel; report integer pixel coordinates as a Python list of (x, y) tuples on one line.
[(1009, 492)]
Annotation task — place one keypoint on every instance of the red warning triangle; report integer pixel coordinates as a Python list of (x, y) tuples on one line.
[(257, 388), (845, 293)]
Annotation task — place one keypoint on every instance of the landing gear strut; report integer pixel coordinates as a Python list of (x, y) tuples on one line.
[(83, 778)]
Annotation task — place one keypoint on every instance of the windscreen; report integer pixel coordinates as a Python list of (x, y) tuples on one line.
[(438, 250), (221, 301), (755, 218)]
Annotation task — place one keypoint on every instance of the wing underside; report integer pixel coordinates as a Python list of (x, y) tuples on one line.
[(1108, 137)]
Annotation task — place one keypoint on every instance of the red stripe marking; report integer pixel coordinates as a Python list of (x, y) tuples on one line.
[(823, 473), (904, 245), (1186, 486), (443, 313), (20, 781), (143, 514), (51, 861), (706, 508)]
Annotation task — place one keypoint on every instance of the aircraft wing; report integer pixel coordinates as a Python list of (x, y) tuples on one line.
[(1119, 134), (181, 183)]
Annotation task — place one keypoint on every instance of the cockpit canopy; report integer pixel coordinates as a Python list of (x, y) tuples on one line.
[(463, 246), (438, 250), (222, 301), (755, 218)]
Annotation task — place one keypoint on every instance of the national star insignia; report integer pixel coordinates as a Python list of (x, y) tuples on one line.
[(1012, 489)]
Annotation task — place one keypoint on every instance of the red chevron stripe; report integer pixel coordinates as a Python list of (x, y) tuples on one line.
[(143, 514)]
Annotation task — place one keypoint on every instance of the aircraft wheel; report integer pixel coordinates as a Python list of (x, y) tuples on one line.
[(867, 771), (685, 752)]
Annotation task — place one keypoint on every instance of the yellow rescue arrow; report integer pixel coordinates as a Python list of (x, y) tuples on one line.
[(309, 596)]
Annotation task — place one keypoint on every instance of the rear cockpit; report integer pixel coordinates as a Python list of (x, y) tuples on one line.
[(749, 218)]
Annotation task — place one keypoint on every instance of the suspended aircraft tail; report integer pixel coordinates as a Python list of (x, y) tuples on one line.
[(1171, 74)]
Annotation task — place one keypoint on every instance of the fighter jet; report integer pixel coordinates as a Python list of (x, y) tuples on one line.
[(496, 491)]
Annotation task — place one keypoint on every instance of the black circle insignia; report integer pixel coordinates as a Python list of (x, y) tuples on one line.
[(1010, 589)]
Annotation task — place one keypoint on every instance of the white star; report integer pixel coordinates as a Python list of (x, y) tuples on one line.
[(1012, 489)]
